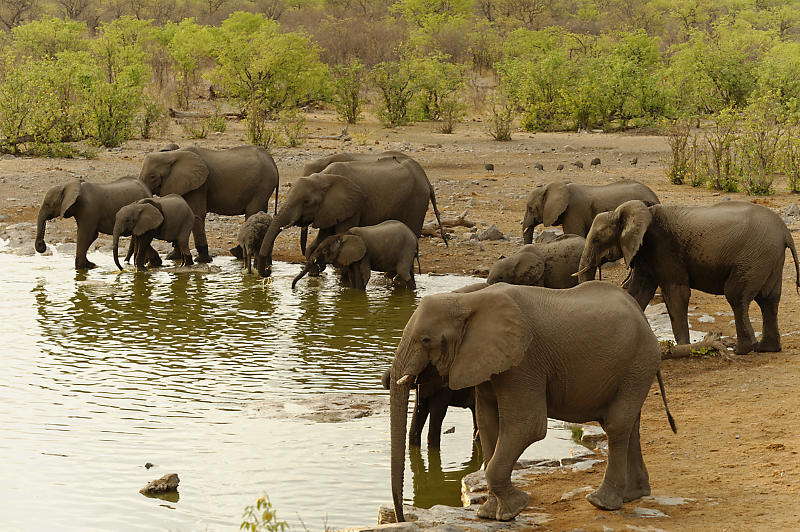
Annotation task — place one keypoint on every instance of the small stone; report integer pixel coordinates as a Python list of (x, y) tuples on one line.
[(792, 210), (593, 433), (560, 167), (647, 512), (595, 161), (577, 491), (715, 194), (148, 465), (569, 148), (578, 164), (705, 318), (539, 166), (168, 482), (451, 430), (491, 233)]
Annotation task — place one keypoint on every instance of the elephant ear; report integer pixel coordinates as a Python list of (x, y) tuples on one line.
[(187, 173), (149, 219), (342, 200), (556, 200), (351, 250), (529, 268), (494, 338), (69, 197), (633, 218)]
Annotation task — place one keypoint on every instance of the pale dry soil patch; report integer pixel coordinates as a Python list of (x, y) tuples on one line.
[(736, 451)]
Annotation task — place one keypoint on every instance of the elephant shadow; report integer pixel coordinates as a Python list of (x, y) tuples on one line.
[(432, 484)]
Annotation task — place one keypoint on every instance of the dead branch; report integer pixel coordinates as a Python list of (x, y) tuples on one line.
[(432, 228), (174, 113), (711, 345)]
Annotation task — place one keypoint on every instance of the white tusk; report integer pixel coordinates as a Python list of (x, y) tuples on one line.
[(581, 272), (404, 379)]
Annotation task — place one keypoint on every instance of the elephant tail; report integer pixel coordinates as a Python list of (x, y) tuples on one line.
[(791, 246), (416, 255), (664, 397), (436, 212), (277, 186)]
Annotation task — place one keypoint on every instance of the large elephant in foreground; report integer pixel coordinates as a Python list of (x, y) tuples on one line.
[(235, 181), (351, 194), (735, 248), (574, 206), (534, 353), (94, 207)]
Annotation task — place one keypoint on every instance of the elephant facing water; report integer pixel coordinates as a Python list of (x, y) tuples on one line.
[(534, 353)]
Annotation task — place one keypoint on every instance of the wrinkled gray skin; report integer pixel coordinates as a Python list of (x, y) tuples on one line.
[(167, 218), (235, 181), (574, 206), (94, 207), (534, 353), (388, 247), (550, 264), (250, 236), (353, 194), (433, 397), (733, 248)]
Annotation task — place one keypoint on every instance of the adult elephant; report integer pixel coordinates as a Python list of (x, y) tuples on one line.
[(534, 353), (735, 248), (351, 194), (235, 181), (573, 206), (94, 207), (550, 264), (318, 165)]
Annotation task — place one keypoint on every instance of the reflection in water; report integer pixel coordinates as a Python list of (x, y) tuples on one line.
[(435, 485), (202, 373)]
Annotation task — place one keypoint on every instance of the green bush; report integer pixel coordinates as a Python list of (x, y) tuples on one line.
[(678, 136), (395, 80), (348, 85), (436, 80), (187, 43), (760, 143), (500, 119), (262, 517), (721, 165)]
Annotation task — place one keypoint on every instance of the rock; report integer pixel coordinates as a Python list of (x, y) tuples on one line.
[(577, 491), (647, 512), (491, 233), (792, 210), (592, 433), (451, 430), (569, 148), (578, 164), (560, 167), (406, 527), (664, 500), (539, 166), (634, 161), (168, 482), (595, 161), (148, 465), (705, 318), (447, 518)]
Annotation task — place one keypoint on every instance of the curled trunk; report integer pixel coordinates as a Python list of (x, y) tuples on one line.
[(283, 219), (398, 419), (117, 232), (300, 275), (41, 221)]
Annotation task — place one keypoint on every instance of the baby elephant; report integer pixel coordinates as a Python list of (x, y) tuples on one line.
[(250, 236), (551, 264), (388, 247), (168, 218)]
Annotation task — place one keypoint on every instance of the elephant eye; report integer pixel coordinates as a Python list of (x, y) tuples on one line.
[(426, 340)]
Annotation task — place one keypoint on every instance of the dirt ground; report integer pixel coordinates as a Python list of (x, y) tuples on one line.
[(736, 451)]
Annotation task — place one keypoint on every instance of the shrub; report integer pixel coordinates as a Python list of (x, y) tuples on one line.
[(153, 119), (678, 135), (436, 81), (759, 144), (721, 165), (291, 123), (395, 80), (452, 111), (790, 158), (348, 83), (262, 517), (499, 120), (187, 43)]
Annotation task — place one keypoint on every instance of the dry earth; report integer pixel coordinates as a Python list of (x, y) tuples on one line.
[(736, 451)]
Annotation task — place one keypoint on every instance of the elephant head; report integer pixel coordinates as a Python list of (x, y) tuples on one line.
[(468, 337), (545, 205), (173, 172), (614, 235), (135, 219), (319, 200), (339, 250), (60, 200), (524, 267)]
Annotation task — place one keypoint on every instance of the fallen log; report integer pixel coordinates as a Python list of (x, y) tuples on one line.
[(711, 345), (432, 228), (174, 113)]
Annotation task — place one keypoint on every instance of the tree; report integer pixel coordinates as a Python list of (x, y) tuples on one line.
[(48, 37), (187, 44), (348, 82)]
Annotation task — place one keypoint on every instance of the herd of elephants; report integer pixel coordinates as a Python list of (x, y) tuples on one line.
[(540, 338)]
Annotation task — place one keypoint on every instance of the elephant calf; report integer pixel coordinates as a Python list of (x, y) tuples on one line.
[(169, 218), (434, 397), (550, 264), (250, 236), (389, 247), (94, 207)]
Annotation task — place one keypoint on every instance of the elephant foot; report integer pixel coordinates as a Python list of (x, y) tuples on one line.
[(488, 510), (155, 261), (237, 252), (140, 268), (744, 347), (87, 265), (768, 346), (175, 254), (202, 254), (605, 498), (636, 492), (188, 260), (510, 505)]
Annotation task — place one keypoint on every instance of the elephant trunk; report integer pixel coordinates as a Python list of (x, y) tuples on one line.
[(398, 418), (587, 266), (528, 223), (41, 222), (284, 218), (117, 232), (300, 275), (303, 239)]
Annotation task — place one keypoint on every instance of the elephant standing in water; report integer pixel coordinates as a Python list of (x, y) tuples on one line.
[(250, 236), (550, 264), (574, 206), (534, 353), (94, 207), (353, 194), (235, 181), (735, 248), (169, 218)]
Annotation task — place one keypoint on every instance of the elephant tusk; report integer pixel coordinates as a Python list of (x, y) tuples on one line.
[(581, 271), (404, 379)]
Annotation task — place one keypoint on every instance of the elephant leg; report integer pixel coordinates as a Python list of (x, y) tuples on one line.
[(475, 433), (437, 406), (418, 419), (637, 482), (237, 252), (200, 242), (740, 303), (175, 254), (140, 256), (770, 336), (488, 426), (642, 288), (152, 257), (618, 426), (676, 297), (186, 254), (85, 238), (131, 249)]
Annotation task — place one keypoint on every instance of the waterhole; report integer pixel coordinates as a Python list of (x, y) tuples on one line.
[(240, 386)]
